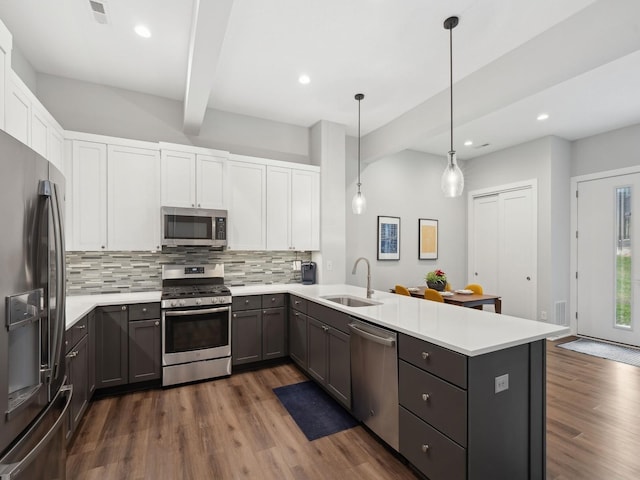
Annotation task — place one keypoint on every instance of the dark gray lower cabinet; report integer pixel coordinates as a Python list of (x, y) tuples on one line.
[(76, 362), (144, 350), (258, 334), (298, 337), (246, 336), (112, 346), (328, 354), (91, 352)]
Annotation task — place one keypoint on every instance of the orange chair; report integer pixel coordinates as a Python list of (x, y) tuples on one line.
[(400, 290), (433, 295), (447, 287), (475, 288)]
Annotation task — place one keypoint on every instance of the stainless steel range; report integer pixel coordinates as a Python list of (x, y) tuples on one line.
[(196, 323)]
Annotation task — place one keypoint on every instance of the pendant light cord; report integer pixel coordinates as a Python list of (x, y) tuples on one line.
[(359, 97), (451, 82)]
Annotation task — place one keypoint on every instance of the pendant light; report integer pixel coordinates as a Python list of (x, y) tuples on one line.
[(359, 203), (452, 182)]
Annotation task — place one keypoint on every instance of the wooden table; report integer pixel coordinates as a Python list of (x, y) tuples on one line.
[(462, 300)]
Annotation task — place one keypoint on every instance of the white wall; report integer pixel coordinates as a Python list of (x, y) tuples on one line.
[(547, 160), (405, 185), (607, 151), (24, 69), (87, 107)]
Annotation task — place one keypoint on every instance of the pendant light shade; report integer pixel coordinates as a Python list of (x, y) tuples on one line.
[(359, 203), (452, 182)]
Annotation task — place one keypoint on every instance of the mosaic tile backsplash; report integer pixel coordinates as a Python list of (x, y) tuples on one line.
[(118, 272)]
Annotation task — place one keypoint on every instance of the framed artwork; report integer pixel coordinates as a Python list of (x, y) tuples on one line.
[(388, 238), (427, 239)]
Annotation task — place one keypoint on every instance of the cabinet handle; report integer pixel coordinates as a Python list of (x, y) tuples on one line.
[(273, 299), (426, 396), (81, 327), (325, 328), (297, 314), (157, 323), (124, 307), (296, 302), (235, 315), (198, 205), (193, 205), (102, 246), (73, 354), (425, 355), (144, 310), (425, 448), (246, 302), (264, 312)]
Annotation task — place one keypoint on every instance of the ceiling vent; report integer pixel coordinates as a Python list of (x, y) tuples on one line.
[(482, 146), (99, 11)]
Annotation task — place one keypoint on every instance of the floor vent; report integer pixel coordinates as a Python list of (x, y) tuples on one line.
[(99, 11), (561, 313)]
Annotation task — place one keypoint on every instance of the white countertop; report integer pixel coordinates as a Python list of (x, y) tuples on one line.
[(465, 330)]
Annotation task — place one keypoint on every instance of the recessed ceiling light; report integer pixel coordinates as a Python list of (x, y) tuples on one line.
[(304, 79), (468, 143), (543, 116), (143, 31)]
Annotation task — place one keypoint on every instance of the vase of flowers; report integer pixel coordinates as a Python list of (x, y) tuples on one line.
[(436, 280)]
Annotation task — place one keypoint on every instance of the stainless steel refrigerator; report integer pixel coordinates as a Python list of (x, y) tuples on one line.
[(34, 397)]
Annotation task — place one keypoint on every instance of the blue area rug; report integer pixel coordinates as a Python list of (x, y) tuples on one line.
[(315, 412), (604, 350)]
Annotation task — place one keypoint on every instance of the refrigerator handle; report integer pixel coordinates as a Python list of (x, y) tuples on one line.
[(50, 190)]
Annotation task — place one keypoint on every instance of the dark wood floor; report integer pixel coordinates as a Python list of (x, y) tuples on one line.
[(236, 428)]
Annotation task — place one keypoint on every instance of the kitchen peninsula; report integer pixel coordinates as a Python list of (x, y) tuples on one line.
[(471, 383)]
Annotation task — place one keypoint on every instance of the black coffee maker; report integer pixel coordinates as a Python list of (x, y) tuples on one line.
[(308, 273)]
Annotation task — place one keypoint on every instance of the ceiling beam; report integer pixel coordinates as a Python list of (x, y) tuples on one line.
[(210, 20), (600, 33)]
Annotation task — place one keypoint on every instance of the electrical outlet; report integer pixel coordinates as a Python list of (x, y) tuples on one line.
[(543, 315), (329, 265), (293, 265), (298, 264), (502, 383)]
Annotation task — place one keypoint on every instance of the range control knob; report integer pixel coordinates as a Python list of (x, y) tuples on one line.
[(198, 301), (173, 303), (182, 303), (213, 300)]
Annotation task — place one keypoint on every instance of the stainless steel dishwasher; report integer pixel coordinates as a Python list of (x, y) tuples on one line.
[(374, 379)]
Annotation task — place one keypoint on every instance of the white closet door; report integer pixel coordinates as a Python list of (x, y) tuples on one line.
[(484, 244), (517, 247)]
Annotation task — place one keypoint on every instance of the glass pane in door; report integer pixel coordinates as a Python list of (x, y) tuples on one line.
[(623, 257)]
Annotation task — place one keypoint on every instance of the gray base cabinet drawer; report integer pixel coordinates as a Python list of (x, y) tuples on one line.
[(444, 363), (329, 316), (252, 302), (144, 311), (438, 457), (435, 401), (299, 304), (274, 300)]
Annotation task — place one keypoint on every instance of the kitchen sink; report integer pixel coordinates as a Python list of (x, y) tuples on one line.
[(349, 301)]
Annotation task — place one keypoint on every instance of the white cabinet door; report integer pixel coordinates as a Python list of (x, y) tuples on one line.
[(55, 149), (178, 173), (305, 210), (89, 196), (6, 45), (210, 181), (18, 113), (39, 132), (246, 203), (278, 208), (133, 198)]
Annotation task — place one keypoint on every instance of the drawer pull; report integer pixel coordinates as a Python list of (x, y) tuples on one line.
[(296, 302), (81, 327), (246, 302), (273, 299), (425, 355), (73, 354), (425, 448), (144, 310), (157, 323), (124, 307), (426, 396), (325, 328), (235, 316)]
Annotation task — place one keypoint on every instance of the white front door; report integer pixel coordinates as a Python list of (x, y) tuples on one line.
[(607, 277)]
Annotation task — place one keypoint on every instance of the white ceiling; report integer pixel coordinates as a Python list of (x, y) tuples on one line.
[(246, 56)]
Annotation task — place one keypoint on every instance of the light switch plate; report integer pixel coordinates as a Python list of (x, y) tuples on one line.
[(502, 383)]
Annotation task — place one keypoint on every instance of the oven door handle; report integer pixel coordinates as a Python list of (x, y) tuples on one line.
[(183, 313)]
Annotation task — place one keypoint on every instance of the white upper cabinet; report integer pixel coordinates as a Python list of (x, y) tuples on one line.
[(18, 110), (133, 198), (115, 194), (39, 132), (305, 209), (89, 184), (246, 202), (192, 177), (279, 208), (6, 44)]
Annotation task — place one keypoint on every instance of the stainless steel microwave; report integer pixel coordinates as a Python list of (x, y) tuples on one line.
[(194, 226)]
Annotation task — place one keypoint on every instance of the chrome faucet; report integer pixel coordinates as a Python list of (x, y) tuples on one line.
[(355, 265)]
